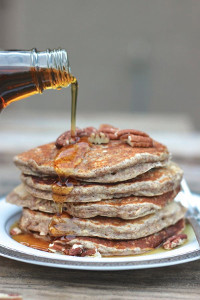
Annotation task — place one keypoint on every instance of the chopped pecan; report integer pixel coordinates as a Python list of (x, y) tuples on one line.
[(98, 138), (66, 251), (137, 141), (56, 247), (174, 241), (79, 250), (15, 231), (63, 247), (88, 252), (76, 251)]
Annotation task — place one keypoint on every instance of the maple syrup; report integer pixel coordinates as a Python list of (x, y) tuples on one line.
[(26, 73), (27, 239), (74, 95), (66, 160)]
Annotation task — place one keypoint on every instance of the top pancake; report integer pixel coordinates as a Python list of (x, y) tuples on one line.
[(97, 163)]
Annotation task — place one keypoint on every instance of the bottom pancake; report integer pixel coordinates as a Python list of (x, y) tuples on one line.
[(117, 247), (91, 246), (103, 227)]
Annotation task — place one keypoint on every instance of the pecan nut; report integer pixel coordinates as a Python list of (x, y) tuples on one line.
[(86, 131), (137, 141), (134, 138), (98, 138), (88, 252), (131, 132), (109, 130), (15, 231), (56, 247), (175, 241), (76, 251), (66, 139)]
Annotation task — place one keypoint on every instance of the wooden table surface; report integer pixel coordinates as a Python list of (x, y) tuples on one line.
[(36, 282)]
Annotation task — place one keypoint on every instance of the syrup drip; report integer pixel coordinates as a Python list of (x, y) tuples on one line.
[(66, 160), (74, 95), (63, 225)]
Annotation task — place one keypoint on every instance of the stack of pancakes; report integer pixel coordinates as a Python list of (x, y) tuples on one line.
[(115, 198)]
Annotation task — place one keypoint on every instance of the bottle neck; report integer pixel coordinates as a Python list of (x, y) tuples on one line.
[(51, 69)]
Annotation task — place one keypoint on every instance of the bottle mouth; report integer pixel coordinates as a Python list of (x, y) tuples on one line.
[(51, 59), (57, 62), (58, 59)]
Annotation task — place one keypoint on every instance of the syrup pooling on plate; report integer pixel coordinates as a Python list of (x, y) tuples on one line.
[(66, 160), (29, 240)]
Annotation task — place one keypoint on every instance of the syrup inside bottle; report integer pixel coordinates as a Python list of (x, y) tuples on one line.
[(20, 82)]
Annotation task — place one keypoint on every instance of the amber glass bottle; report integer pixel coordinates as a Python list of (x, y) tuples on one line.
[(25, 73)]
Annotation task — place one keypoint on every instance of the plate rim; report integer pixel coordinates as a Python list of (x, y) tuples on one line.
[(69, 263), (98, 266)]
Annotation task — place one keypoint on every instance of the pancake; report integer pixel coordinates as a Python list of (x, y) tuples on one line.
[(118, 247), (125, 208), (107, 190), (127, 173), (152, 183), (109, 228), (101, 163)]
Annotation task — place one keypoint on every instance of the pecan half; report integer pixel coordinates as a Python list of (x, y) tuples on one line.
[(174, 241), (137, 141), (98, 138), (65, 139), (134, 138), (87, 131), (108, 128), (131, 132)]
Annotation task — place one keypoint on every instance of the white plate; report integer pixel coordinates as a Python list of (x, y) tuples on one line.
[(12, 249)]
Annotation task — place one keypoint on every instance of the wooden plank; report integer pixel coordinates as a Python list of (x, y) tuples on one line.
[(37, 282)]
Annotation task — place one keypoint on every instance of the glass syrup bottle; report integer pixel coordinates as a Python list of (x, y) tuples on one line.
[(26, 73)]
